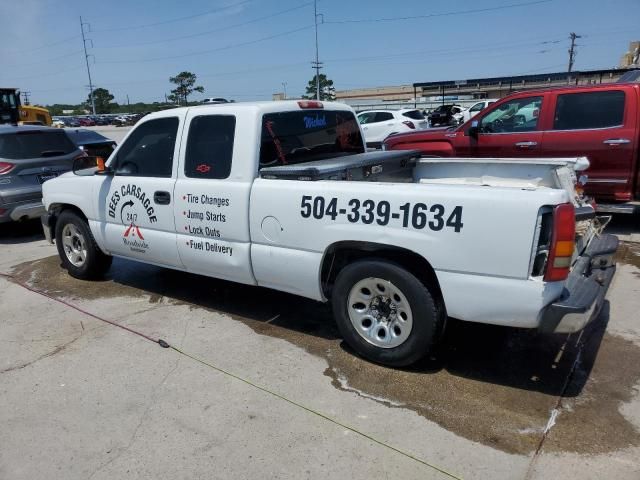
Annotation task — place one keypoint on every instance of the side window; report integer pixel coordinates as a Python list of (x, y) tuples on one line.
[(519, 115), (477, 107), (575, 111), (210, 146), (365, 118), (148, 152), (384, 116)]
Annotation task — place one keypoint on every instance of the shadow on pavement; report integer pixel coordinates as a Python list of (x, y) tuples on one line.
[(494, 385), (20, 232), (517, 358)]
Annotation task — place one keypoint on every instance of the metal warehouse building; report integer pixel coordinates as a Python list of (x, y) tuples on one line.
[(464, 92)]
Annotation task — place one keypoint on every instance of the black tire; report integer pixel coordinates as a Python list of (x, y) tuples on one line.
[(96, 263), (427, 316)]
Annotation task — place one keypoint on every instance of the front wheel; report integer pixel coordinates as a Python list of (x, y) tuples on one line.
[(77, 248), (385, 313)]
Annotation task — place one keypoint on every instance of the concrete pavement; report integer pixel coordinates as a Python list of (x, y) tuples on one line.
[(83, 399)]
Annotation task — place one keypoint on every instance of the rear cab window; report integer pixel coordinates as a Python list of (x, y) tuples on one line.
[(35, 144), (589, 110), (303, 136), (210, 146)]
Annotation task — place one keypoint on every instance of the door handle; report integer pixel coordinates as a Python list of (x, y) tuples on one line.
[(617, 141), (162, 198), (526, 144)]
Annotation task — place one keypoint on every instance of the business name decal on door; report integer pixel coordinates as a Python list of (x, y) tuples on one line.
[(129, 204)]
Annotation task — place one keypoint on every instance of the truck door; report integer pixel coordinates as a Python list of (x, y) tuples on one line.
[(511, 129), (212, 196), (136, 203), (597, 125)]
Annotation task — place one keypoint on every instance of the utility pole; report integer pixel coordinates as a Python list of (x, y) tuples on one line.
[(128, 103), (317, 64), (26, 97), (284, 88), (572, 50), (86, 58)]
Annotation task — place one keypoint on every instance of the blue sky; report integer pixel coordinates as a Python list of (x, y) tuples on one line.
[(245, 49)]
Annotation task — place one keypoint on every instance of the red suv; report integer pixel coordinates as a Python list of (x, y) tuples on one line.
[(601, 122)]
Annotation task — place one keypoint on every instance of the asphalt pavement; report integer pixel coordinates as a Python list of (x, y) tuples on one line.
[(265, 388)]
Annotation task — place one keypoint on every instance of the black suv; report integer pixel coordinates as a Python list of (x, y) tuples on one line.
[(29, 156), (443, 115)]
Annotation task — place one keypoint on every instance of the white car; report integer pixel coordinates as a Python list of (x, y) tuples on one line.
[(283, 195), (57, 123), (474, 109), (379, 124), (216, 100)]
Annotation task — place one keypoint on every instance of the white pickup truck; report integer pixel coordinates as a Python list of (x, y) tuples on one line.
[(283, 195)]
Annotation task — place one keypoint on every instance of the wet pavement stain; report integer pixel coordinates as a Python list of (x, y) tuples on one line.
[(489, 384), (629, 254)]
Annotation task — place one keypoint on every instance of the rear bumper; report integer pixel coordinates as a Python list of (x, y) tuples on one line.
[(14, 212), (585, 289)]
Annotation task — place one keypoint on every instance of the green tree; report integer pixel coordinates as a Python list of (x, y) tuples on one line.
[(327, 91), (102, 99), (185, 82)]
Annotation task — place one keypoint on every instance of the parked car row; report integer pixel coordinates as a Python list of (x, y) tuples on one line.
[(119, 120), (379, 124)]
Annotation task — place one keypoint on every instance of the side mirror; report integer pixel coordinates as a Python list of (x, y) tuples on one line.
[(474, 129), (85, 166)]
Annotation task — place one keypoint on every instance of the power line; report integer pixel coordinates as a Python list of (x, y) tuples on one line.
[(31, 77), (444, 14), (48, 45), (208, 32), (481, 48), (203, 52), (179, 19), (48, 60)]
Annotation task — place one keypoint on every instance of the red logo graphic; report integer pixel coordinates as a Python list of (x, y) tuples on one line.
[(133, 230), (203, 168)]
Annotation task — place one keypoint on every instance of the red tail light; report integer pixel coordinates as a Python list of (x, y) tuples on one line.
[(562, 243), (310, 104), (6, 167), (409, 124)]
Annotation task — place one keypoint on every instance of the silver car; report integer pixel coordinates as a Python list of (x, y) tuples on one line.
[(29, 156)]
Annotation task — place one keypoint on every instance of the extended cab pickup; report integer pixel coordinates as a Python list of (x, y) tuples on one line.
[(282, 195), (601, 122)]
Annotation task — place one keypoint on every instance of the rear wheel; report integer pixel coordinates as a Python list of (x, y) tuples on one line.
[(77, 248), (385, 313)]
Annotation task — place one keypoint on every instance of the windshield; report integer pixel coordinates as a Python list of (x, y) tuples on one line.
[(303, 136), (8, 106)]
